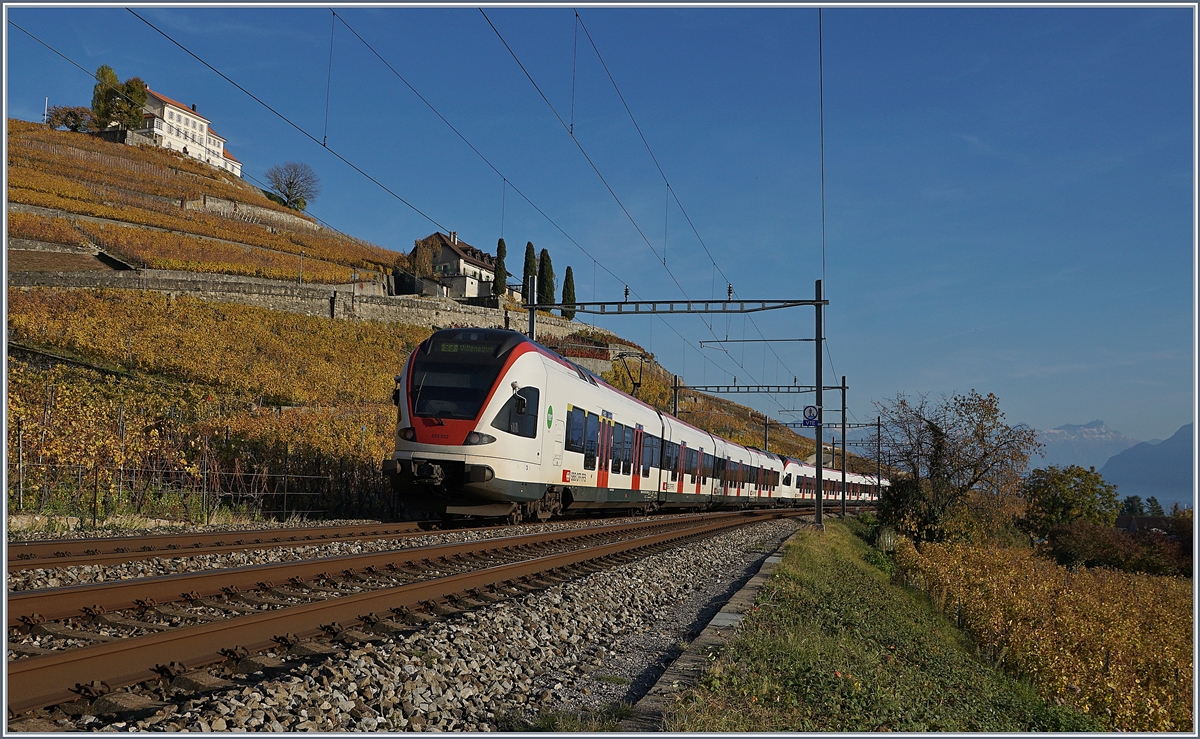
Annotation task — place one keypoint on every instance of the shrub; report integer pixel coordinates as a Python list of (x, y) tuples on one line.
[(1081, 543)]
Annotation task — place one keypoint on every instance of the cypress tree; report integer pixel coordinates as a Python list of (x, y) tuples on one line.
[(568, 295), (529, 272), (545, 283), (501, 279), (104, 96)]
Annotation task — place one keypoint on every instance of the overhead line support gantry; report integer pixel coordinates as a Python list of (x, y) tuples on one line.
[(659, 307)]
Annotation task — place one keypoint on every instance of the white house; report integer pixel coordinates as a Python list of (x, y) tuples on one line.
[(465, 271), (173, 125)]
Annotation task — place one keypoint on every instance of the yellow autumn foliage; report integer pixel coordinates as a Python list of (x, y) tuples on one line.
[(1111, 644)]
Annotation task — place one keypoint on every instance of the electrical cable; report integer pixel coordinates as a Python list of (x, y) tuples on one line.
[(595, 262), (670, 191), (289, 121), (329, 76), (245, 175), (596, 170)]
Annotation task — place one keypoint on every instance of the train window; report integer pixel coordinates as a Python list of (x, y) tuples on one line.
[(707, 472), (618, 435), (787, 479), (719, 469), (450, 389), (627, 457), (591, 429), (693, 462), (575, 419), (647, 454), (519, 415), (671, 459)]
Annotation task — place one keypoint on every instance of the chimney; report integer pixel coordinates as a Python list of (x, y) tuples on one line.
[(193, 107), (454, 237)]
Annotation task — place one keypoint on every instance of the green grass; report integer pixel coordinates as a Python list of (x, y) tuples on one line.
[(834, 646)]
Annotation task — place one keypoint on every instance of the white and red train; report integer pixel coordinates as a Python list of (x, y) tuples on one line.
[(492, 424)]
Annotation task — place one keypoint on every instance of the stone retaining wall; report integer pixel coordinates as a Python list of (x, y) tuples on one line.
[(255, 213), (335, 301)]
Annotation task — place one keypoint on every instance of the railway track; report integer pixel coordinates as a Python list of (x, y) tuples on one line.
[(54, 553), (158, 631), (67, 552)]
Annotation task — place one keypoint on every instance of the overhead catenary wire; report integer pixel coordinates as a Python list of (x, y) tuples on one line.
[(290, 122), (347, 161), (329, 75), (599, 174), (671, 194), (472, 147), (595, 262)]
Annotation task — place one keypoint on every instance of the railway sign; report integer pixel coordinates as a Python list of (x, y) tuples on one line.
[(810, 415)]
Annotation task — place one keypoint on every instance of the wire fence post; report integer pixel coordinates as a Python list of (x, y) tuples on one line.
[(20, 467), (121, 465), (95, 496), (204, 474), (287, 449), (204, 502)]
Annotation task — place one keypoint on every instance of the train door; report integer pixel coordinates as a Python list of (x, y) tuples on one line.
[(558, 426), (638, 435), (604, 452)]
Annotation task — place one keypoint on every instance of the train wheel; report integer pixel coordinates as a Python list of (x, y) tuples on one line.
[(515, 517)]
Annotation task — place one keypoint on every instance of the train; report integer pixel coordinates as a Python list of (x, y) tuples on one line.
[(492, 425)]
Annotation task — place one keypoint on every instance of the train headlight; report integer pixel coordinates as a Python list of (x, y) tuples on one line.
[(475, 438), (407, 433)]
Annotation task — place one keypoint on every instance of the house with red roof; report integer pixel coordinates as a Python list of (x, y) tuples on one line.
[(463, 270), (173, 125)]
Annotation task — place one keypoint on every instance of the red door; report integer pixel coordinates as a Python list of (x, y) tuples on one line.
[(602, 453)]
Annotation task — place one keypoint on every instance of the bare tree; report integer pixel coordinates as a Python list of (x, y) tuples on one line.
[(295, 183), (956, 455)]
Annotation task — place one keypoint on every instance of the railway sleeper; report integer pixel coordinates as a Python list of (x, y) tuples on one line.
[(199, 681), (66, 632), (113, 619), (225, 606), (313, 649), (255, 599), (170, 612), (27, 650), (388, 627), (309, 595), (355, 637), (253, 663), (442, 608), (416, 618)]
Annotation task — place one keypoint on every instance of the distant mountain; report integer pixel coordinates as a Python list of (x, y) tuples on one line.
[(1163, 470), (1087, 445)]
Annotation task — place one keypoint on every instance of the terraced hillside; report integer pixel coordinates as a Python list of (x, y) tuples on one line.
[(157, 208)]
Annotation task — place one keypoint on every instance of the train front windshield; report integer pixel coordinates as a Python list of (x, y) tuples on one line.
[(453, 378)]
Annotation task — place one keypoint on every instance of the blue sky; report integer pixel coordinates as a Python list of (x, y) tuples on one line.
[(1009, 192)]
